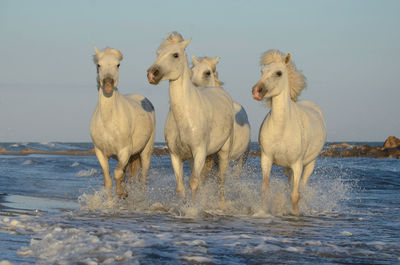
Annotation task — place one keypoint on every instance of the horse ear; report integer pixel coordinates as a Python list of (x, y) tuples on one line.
[(287, 58), (194, 60), (96, 50), (185, 43), (216, 59)]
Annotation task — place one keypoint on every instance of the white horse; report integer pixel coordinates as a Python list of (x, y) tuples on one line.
[(293, 133), (200, 120), (204, 74), (122, 126)]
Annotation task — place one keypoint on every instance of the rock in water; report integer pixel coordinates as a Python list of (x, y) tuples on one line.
[(391, 142)]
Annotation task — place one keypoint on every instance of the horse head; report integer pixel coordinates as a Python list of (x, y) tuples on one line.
[(273, 81), (171, 58), (204, 72), (276, 63), (107, 62)]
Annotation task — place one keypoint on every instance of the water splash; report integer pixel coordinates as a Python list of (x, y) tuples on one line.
[(87, 173), (324, 194)]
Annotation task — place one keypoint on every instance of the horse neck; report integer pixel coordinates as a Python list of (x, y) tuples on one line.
[(107, 105), (281, 106), (181, 92)]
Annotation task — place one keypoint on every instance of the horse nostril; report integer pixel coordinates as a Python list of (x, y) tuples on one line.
[(156, 72), (255, 89)]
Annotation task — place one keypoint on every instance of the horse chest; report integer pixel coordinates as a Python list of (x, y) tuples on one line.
[(173, 138), (281, 143), (107, 135)]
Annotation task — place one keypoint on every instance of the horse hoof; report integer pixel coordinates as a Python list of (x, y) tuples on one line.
[(181, 193), (296, 212), (123, 195)]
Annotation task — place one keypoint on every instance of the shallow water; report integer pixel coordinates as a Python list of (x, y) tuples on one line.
[(54, 211)]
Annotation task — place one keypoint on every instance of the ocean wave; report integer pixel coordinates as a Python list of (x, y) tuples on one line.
[(49, 144), (27, 162)]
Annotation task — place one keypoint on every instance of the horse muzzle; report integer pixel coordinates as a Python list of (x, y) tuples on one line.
[(108, 85), (154, 75), (259, 91)]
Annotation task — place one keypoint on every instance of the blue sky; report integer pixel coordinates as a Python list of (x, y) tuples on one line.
[(348, 50)]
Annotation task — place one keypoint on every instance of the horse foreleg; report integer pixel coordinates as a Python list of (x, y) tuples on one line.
[(223, 163), (297, 169), (145, 158), (145, 161), (119, 173), (177, 164), (308, 170), (266, 164), (103, 160), (199, 158)]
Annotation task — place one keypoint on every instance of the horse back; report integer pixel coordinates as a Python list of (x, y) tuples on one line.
[(141, 102)]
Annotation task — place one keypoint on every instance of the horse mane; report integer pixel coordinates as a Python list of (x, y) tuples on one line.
[(173, 37), (106, 51), (209, 62), (297, 81)]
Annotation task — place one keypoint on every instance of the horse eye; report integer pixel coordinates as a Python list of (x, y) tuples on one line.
[(176, 55), (98, 65), (279, 73), (208, 73), (118, 65)]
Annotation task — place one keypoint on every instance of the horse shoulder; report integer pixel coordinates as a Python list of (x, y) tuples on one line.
[(173, 139)]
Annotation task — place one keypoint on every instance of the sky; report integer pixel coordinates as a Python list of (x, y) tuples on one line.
[(348, 50)]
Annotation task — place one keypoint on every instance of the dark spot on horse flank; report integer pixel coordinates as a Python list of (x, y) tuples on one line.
[(146, 105), (241, 117)]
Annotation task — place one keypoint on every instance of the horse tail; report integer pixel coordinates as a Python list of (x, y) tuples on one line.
[(133, 168), (240, 162)]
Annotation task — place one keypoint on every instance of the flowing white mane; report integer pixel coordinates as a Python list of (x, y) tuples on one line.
[(211, 62), (297, 81), (173, 37)]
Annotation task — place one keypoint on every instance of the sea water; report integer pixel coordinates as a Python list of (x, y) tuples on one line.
[(53, 210)]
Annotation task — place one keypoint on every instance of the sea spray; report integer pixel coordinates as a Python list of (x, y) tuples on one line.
[(324, 193)]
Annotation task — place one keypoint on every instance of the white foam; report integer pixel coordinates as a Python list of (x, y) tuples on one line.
[(5, 262), (313, 243), (27, 162), (233, 244), (75, 164), (63, 245), (261, 248), (346, 233), (295, 249), (191, 243), (87, 173), (49, 144), (196, 258)]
